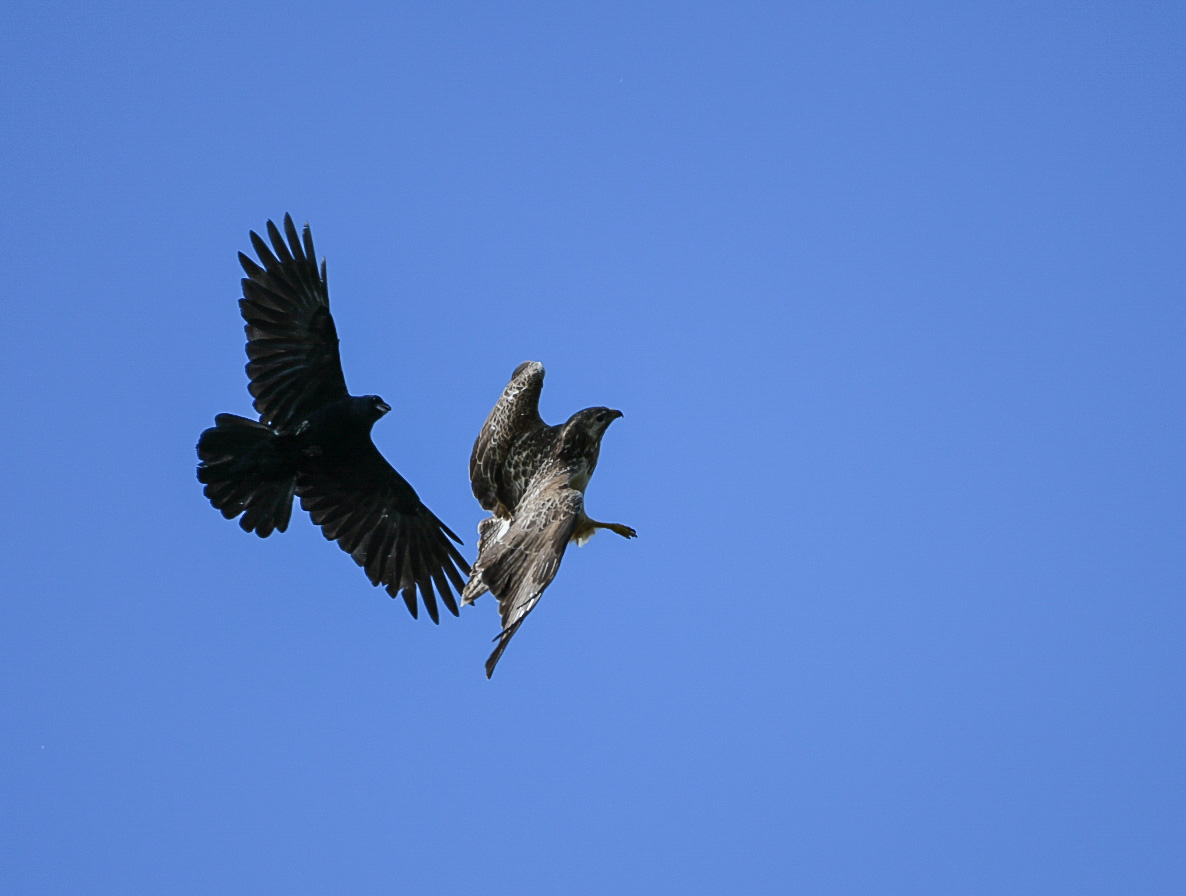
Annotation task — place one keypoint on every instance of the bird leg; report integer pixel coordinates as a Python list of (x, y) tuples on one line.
[(624, 531)]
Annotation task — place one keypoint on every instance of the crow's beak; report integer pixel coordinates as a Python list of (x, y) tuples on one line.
[(382, 406)]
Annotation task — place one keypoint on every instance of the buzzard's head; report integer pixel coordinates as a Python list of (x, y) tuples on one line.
[(593, 422), (581, 439)]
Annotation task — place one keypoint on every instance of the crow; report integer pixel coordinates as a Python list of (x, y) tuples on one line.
[(313, 438)]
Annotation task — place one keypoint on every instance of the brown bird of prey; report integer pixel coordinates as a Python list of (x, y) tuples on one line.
[(313, 438), (532, 478)]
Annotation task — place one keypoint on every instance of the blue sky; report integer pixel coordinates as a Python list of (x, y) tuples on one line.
[(892, 297)]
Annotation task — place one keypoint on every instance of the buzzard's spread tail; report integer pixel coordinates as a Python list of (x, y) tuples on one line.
[(487, 533), (474, 588), (490, 530), (244, 473)]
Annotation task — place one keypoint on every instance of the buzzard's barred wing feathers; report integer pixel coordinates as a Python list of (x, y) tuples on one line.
[(522, 562), (292, 345), (515, 413)]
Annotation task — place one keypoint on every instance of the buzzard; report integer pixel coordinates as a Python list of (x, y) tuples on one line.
[(313, 438), (532, 478)]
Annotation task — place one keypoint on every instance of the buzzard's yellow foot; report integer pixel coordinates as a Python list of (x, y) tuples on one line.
[(624, 531)]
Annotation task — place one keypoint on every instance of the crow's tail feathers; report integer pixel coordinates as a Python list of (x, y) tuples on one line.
[(246, 473)]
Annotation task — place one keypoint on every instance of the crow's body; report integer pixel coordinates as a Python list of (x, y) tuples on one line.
[(313, 439)]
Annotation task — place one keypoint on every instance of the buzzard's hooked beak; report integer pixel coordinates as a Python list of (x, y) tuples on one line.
[(616, 414)]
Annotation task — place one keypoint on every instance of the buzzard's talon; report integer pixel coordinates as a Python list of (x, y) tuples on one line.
[(624, 531)]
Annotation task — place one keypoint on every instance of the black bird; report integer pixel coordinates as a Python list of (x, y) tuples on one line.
[(313, 438)]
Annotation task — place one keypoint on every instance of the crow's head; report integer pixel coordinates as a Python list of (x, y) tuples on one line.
[(370, 407), (378, 406)]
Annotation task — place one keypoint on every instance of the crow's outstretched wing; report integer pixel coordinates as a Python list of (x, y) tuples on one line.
[(377, 518), (516, 413), (522, 562), (292, 345)]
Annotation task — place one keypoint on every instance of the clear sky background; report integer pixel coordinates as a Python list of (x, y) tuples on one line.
[(892, 297)]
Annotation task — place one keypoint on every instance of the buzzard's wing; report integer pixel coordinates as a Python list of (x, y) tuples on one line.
[(523, 561), (292, 345), (516, 412), (377, 518)]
